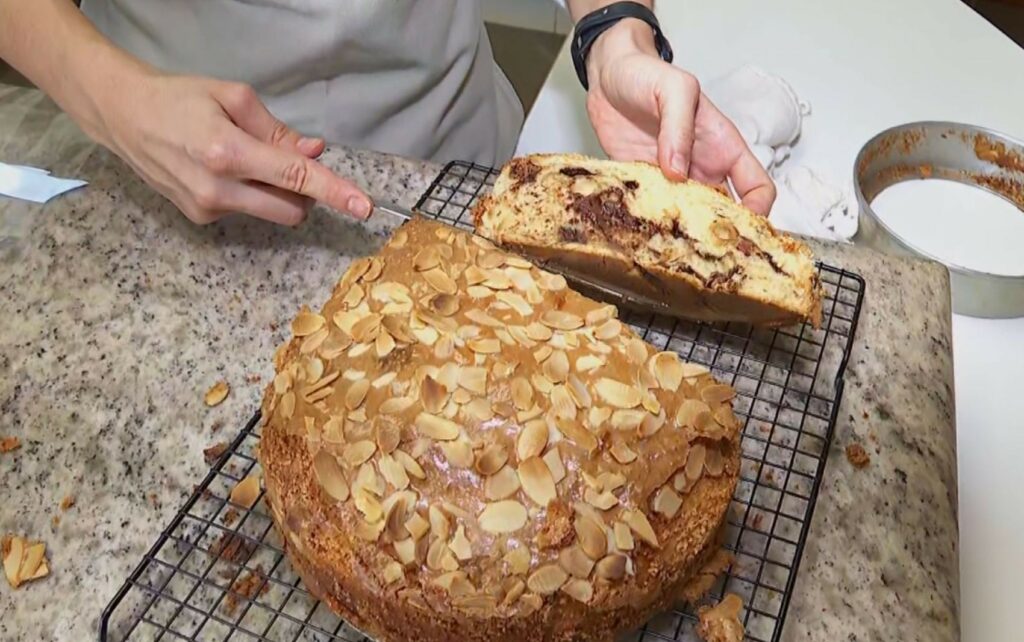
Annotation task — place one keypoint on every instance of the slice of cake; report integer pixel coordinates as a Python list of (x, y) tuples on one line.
[(680, 244)]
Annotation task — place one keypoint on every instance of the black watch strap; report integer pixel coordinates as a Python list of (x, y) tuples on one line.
[(592, 25)]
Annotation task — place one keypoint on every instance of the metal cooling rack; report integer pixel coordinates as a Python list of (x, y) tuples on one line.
[(219, 572)]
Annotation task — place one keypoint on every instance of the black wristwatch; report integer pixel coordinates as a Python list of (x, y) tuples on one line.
[(592, 25)]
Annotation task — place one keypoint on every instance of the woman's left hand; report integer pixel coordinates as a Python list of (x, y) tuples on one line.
[(643, 108)]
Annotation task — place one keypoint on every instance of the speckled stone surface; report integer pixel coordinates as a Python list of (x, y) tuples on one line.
[(119, 314)]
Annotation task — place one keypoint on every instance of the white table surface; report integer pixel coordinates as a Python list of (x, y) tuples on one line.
[(865, 66)]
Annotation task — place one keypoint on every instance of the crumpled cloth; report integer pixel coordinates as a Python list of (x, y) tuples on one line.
[(769, 115)]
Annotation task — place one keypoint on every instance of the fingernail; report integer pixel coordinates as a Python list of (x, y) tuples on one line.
[(359, 207), (309, 143)]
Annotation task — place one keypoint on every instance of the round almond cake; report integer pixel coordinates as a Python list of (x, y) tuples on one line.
[(460, 447)]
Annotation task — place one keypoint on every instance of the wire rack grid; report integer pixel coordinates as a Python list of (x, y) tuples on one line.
[(219, 571)]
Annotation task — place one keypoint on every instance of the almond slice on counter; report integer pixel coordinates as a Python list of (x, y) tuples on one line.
[(217, 393), (246, 492)]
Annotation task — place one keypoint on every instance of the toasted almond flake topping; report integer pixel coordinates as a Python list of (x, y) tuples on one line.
[(393, 572), (542, 353), (282, 382), (602, 501), (438, 280), (617, 394), (561, 320), (497, 280), (405, 550), (367, 480), (246, 492), (502, 484), (411, 465), (542, 383), (692, 370), (491, 459), (553, 459), (627, 419), (713, 462), (577, 434), (636, 351), (651, 404), (358, 452), (522, 393), (547, 579), (552, 282), (689, 410), (329, 474), (556, 368), (623, 537), (695, 461), (393, 472), (608, 330), (433, 395), (459, 453), (395, 405), (374, 270), (306, 323), (588, 362), (667, 369), (460, 545), (505, 516), (473, 379), (356, 394), (535, 478), (385, 343), (623, 453), (591, 537), (516, 302), (717, 393), (368, 505), (444, 304), (518, 560), (532, 439), (12, 559), (394, 518), (579, 590), (484, 346), (562, 403), (611, 567), (384, 380), (639, 524), (287, 405), (667, 502), (538, 332), (490, 260), (580, 395), (417, 526), (365, 329), (479, 409), (217, 393), (426, 258)]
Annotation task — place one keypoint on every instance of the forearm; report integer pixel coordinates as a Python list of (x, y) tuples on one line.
[(52, 44), (580, 8)]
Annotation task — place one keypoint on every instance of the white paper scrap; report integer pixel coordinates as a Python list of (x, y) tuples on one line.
[(33, 184)]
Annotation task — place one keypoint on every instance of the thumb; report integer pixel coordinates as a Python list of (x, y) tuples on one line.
[(677, 106)]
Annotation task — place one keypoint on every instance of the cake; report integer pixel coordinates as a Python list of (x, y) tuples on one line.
[(458, 446), (683, 245)]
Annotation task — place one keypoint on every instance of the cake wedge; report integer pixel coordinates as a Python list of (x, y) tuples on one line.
[(682, 245)]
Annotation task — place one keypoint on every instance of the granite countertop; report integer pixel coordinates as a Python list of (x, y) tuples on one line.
[(119, 314)]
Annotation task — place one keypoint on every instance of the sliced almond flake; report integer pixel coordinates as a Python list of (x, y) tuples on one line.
[(437, 279), (405, 550), (365, 330), (515, 590), (561, 320), (504, 337), (497, 280), (353, 375), (588, 362), (542, 353), (556, 367), (636, 351), (536, 481), (490, 260), (306, 323), (646, 380), (667, 369), (611, 567), (529, 604), (448, 376), (427, 258), (652, 424), (547, 579), (435, 554), (505, 516), (358, 452), (518, 560), (359, 349), (394, 518), (416, 526), (459, 453), (13, 557), (608, 330), (518, 262), (479, 292), (346, 320), (246, 492), (356, 270), (717, 393), (516, 301), (518, 333), (317, 395), (332, 431), (534, 296), (436, 427), (590, 535), (553, 459), (601, 501), (580, 395), (543, 385), (461, 396), (623, 537), (353, 297), (693, 370), (597, 415), (411, 465), (373, 272), (369, 531), (216, 394), (533, 438), (600, 314), (577, 434), (558, 341), (287, 405), (617, 394), (384, 343), (433, 395), (393, 472), (714, 463), (695, 461), (474, 275), (444, 348), (725, 417), (491, 459), (623, 453), (398, 239), (322, 381), (356, 394), (580, 590), (666, 502), (33, 562), (681, 483), (398, 327), (627, 419), (538, 331), (611, 481), (639, 524), (562, 404), (484, 346), (460, 545), (473, 379), (522, 393), (427, 336), (393, 572), (479, 409), (387, 435), (592, 481), (395, 405), (552, 282), (384, 380), (576, 562), (282, 382), (651, 404), (368, 505)]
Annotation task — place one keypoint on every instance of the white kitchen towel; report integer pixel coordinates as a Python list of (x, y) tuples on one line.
[(33, 184), (769, 115)]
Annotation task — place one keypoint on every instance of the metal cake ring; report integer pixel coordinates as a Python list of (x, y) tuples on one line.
[(953, 151)]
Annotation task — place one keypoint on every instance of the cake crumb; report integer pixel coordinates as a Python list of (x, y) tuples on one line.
[(248, 586), (217, 425), (213, 453), (857, 455), (705, 578), (67, 502), (721, 623), (557, 531), (252, 378), (230, 515), (8, 444)]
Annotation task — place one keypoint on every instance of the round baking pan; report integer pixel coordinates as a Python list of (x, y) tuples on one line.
[(956, 152)]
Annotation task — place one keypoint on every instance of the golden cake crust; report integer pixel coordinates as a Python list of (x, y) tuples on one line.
[(508, 463), (626, 226)]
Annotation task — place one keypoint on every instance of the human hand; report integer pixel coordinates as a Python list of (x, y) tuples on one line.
[(212, 148), (643, 108)]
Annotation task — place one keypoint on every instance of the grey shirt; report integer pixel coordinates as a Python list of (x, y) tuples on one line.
[(411, 77)]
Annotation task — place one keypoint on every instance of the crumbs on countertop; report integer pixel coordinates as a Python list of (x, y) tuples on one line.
[(216, 426), (213, 453), (857, 455), (67, 502), (8, 444)]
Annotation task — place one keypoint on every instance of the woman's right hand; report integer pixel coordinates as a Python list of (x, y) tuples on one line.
[(212, 148)]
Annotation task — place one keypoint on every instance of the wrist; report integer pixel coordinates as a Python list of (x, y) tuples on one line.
[(97, 93), (628, 36)]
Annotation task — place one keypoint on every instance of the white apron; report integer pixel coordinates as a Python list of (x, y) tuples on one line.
[(410, 77)]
